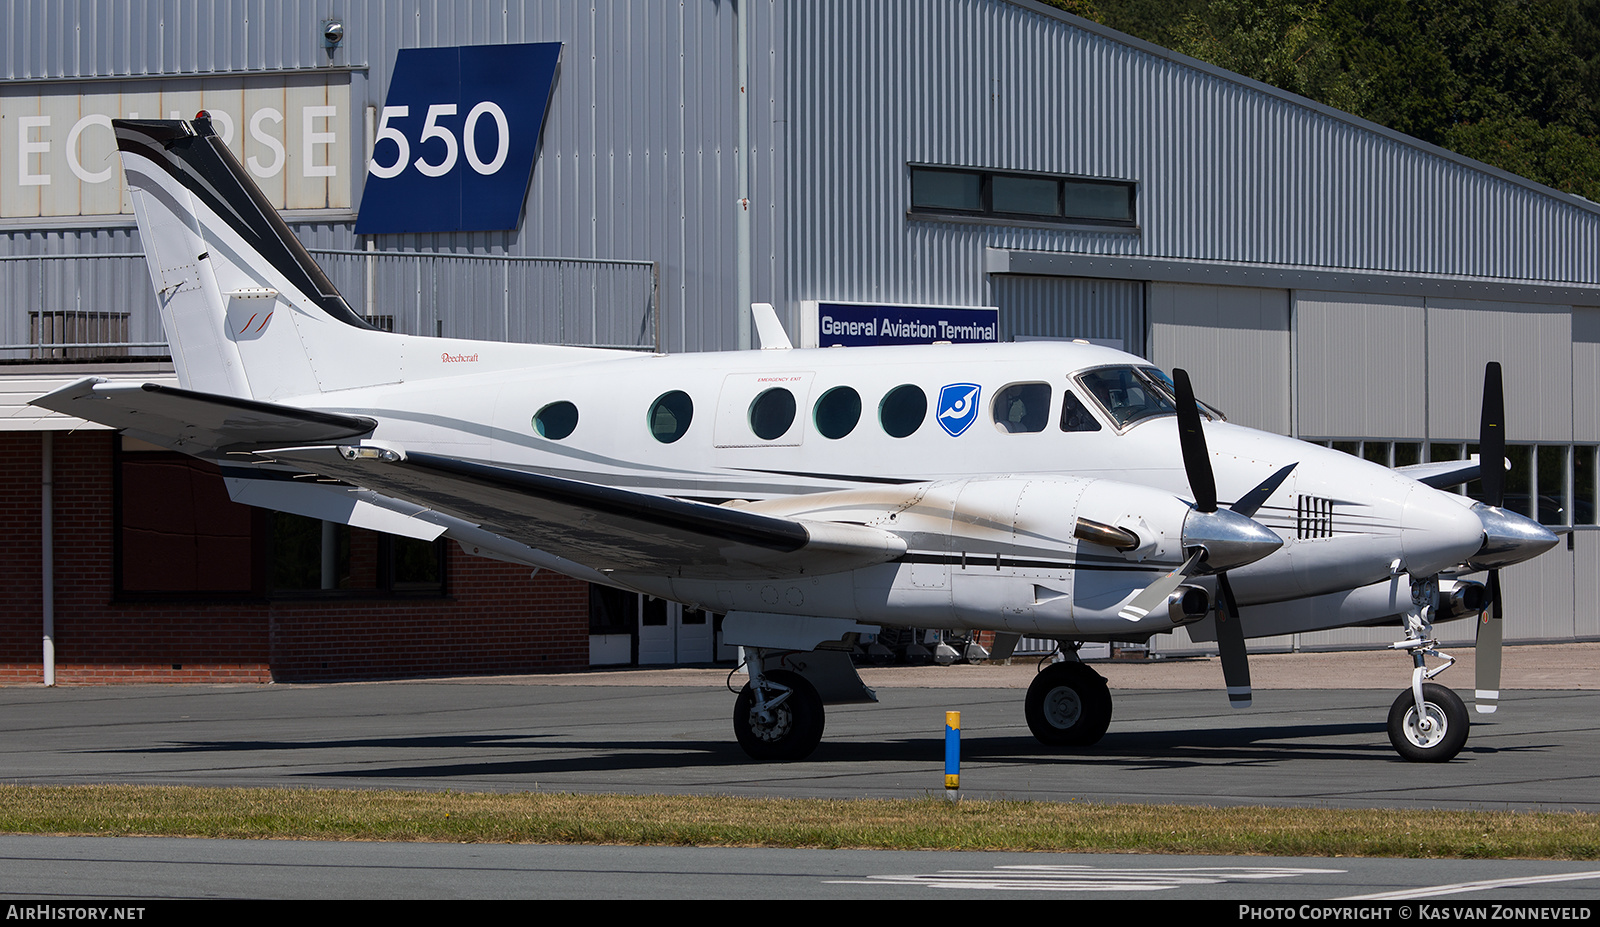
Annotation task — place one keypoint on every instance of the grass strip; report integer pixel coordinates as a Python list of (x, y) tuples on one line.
[(930, 823)]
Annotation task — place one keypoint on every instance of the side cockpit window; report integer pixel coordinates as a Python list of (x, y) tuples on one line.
[(1074, 417)]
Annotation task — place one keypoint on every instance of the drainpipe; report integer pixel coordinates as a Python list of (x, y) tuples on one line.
[(47, 553), (742, 175)]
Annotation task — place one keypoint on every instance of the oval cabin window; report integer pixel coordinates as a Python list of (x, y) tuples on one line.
[(838, 411), (670, 416), (902, 410), (556, 420), (772, 413)]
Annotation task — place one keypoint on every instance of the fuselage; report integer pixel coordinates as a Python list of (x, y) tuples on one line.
[(776, 427)]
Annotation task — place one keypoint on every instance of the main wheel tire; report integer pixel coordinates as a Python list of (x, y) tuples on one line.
[(795, 727), (1443, 740), (1068, 705)]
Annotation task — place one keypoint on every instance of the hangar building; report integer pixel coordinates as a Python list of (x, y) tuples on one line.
[(1321, 276)]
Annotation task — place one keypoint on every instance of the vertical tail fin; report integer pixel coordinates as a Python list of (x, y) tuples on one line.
[(246, 310)]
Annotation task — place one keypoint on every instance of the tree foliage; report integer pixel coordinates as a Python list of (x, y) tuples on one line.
[(1513, 83)]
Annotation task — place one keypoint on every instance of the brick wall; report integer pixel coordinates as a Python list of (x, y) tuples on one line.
[(497, 618)]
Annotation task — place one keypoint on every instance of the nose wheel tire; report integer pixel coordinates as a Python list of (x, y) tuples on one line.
[(790, 730), (1068, 705), (1445, 732)]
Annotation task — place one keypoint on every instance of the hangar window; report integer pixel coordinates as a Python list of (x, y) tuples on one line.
[(953, 192), (902, 410), (1536, 483), (772, 413), (670, 416), (177, 531), (1584, 489), (1022, 408), (838, 411), (556, 420), (326, 558)]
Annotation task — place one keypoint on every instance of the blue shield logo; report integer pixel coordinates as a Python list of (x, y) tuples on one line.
[(958, 407)]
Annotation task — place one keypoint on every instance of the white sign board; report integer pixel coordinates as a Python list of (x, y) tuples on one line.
[(58, 154)]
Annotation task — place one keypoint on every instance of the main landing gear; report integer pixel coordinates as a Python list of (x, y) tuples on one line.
[(780, 718), (779, 714), (1068, 705)]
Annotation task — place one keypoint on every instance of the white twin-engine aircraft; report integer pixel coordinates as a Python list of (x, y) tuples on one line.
[(1050, 490)]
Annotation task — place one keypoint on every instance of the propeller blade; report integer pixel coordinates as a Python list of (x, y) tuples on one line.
[(1492, 437), (1252, 501), (1192, 439), (1487, 657), (1155, 595), (1230, 646)]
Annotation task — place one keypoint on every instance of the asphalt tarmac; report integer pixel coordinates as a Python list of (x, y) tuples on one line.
[(1314, 737), (670, 732)]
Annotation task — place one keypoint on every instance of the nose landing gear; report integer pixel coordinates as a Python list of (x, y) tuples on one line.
[(1433, 734), (1428, 722)]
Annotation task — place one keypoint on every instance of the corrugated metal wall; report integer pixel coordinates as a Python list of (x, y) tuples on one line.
[(1070, 307), (1533, 342), (639, 156), (1360, 365), (1226, 170), (1586, 373), (1234, 341), (639, 153), (639, 161)]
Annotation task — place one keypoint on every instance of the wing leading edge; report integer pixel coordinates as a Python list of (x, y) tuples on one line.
[(609, 529), (1443, 473)]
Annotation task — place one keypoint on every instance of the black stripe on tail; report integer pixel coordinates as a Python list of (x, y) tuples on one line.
[(192, 154)]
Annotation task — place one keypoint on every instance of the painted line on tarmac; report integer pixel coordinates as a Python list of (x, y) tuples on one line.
[(1462, 887), (1068, 878)]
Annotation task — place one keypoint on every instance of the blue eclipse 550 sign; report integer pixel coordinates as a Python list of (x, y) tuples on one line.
[(456, 138)]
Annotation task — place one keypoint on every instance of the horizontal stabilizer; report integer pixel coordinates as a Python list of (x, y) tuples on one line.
[(602, 527), (193, 422)]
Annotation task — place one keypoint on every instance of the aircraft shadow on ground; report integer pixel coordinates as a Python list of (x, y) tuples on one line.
[(450, 741), (1144, 749), (533, 754)]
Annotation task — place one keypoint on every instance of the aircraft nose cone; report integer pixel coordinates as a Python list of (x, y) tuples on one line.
[(1230, 539), (1508, 538), (1437, 531)]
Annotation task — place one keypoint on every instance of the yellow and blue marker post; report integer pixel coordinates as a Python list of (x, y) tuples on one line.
[(952, 753)]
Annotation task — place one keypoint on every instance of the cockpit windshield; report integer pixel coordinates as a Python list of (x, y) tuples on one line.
[(1132, 394), (1127, 394)]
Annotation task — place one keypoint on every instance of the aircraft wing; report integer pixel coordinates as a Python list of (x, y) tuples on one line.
[(1442, 473), (192, 422), (608, 529)]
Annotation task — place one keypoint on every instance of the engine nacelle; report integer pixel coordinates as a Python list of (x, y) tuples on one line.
[(1462, 599), (1188, 604)]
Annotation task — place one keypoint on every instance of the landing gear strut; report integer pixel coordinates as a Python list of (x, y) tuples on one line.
[(1068, 705), (1428, 722), (796, 666)]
